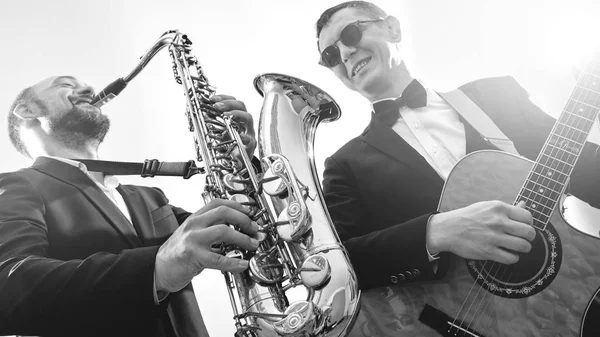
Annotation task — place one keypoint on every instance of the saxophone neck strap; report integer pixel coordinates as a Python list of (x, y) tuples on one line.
[(149, 168)]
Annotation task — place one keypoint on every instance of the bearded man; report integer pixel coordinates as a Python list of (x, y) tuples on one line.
[(82, 255)]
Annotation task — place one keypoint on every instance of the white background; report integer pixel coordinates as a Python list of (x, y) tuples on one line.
[(447, 43)]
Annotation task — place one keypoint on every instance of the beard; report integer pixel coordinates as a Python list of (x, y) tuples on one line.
[(80, 126)]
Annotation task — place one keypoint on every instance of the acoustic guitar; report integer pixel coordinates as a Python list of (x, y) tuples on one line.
[(551, 291)]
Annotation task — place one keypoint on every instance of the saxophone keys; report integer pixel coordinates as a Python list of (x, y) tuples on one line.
[(231, 183), (246, 201), (272, 184), (300, 316), (293, 222), (266, 269), (315, 271)]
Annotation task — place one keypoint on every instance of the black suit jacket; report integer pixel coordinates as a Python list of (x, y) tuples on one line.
[(380, 192), (72, 265)]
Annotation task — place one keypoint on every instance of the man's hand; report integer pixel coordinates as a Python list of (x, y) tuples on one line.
[(487, 230), (188, 250), (229, 106)]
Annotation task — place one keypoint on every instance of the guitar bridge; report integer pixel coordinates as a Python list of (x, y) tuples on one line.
[(444, 324)]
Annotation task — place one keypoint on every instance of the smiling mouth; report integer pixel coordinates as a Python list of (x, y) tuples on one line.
[(360, 65)]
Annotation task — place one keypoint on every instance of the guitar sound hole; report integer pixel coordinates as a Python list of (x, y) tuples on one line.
[(532, 274)]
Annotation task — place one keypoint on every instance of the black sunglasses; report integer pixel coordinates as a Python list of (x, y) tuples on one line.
[(350, 37)]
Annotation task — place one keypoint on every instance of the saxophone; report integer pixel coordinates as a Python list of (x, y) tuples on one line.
[(299, 281)]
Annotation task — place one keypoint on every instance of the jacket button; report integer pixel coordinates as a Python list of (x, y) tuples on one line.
[(393, 279), (409, 275), (416, 272), (401, 277)]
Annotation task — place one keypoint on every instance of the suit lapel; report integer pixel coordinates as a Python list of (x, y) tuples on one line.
[(389, 142), (140, 216), (73, 176)]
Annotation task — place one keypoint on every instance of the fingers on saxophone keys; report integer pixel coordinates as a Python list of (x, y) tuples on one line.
[(225, 263), (223, 233), (247, 139), (227, 103), (215, 203), (221, 97)]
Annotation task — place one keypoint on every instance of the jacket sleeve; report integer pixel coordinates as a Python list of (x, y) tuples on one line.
[(393, 255), (45, 296)]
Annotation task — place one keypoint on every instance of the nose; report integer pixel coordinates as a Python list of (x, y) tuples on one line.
[(84, 90), (346, 52)]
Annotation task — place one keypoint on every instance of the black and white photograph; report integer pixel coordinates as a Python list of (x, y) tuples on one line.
[(262, 168)]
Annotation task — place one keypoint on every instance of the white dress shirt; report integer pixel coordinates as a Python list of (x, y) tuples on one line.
[(435, 132)]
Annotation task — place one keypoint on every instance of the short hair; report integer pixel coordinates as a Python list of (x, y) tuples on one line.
[(14, 122), (368, 8)]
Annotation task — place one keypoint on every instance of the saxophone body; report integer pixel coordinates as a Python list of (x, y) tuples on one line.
[(300, 281)]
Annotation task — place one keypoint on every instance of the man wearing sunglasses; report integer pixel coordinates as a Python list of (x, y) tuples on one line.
[(382, 188)]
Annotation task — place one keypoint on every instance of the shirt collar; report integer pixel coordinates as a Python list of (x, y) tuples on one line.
[(71, 162), (393, 98)]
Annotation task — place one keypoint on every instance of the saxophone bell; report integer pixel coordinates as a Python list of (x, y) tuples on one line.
[(300, 281)]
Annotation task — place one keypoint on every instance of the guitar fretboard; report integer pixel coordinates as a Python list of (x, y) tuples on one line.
[(550, 174)]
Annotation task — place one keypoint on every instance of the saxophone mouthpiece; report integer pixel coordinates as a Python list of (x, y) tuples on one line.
[(108, 93)]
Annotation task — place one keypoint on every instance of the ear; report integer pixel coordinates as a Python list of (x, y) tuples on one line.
[(393, 26), (25, 112), (22, 111)]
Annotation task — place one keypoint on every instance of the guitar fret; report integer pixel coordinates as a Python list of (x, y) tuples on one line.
[(543, 191), (542, 224), (539, 198), (570, 132), (535, 203), (547, 181), (573, 109), (563, 146), (588, 89), (554, 152), (558, 153), (530, 202), (537, 213), (549, 172), (558, 123), (554, 164), (584, 103), (596, 77), (573, 122), (554, 160), (584, 95), (546, 171)]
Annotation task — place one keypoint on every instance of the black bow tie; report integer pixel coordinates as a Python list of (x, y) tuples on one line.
[(414, 96)]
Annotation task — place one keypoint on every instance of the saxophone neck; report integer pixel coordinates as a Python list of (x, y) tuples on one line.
[(114, 88)]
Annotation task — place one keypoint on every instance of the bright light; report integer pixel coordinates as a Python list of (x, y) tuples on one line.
[(565, 35)]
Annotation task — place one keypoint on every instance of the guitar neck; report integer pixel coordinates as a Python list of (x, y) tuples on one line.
[(550, 174)]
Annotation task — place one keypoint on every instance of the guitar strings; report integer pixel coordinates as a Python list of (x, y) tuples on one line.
[(488, 294), (548, 163)]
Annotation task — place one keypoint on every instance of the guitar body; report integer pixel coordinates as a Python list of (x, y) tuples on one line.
[(546, 294)]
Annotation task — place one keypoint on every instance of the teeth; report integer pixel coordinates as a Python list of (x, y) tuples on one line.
[(359, 67)]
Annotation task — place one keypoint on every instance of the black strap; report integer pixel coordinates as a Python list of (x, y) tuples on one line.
[(149, 168)]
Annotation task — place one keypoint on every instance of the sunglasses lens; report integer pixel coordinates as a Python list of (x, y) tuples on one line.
[(351, 36), (331, 56)]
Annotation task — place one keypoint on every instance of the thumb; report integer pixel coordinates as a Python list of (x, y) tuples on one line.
[(223, 263), (521, 204)]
